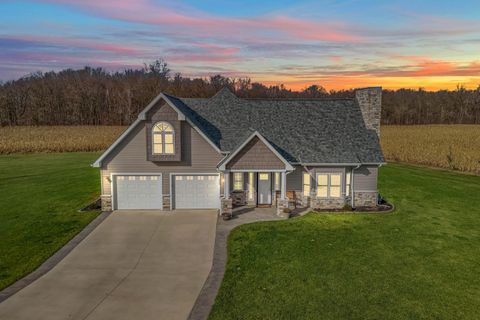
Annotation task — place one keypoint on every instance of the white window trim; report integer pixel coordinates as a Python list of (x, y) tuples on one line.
[(162, 134), (328, 174), (239, 174)]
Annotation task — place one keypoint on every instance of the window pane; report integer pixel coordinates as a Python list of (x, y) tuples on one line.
[(322, 180), (168, 138), (157, 138), (322, 191), (168, 148), (306, 184), (306, 190), (263, 176), (167, 127), (335, 192), (277, 180), (238, 181), (157, 148), (250, 185), (306, 178), (347, 190), (335, 179)]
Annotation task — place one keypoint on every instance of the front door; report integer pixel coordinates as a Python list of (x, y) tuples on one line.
[(264, 188)]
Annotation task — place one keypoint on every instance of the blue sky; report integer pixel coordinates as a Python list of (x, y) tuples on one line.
[(337, 44)]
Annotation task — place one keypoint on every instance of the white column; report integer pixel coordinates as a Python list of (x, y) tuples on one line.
[(226, 186), (283, 185)]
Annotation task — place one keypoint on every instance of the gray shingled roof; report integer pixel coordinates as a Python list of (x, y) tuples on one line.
[(306, 131)]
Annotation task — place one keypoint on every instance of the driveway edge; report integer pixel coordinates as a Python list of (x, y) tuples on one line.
[(51, 262)]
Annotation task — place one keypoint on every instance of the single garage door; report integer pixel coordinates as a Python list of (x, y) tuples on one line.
[(196, 191), (138, 192)]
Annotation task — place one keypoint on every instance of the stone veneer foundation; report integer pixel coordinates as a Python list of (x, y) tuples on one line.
[(366, 199), (106, 202)]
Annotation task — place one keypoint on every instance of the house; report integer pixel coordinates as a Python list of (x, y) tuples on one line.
[(189, 153)]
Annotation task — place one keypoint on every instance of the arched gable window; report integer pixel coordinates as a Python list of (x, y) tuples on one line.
[(163, 138)]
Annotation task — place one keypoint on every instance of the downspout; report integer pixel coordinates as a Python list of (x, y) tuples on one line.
[(352, 187)]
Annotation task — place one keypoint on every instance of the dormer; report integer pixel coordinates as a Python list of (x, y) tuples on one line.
[(163, 133)]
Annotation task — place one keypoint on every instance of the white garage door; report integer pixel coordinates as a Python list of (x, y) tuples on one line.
[(138, 192), (196, 191)]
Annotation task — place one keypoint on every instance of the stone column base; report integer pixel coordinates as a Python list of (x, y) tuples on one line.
[(227, 207), (166, 201), (282, 204), (106, 202)]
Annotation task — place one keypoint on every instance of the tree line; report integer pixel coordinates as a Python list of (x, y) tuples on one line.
[(93, 96)]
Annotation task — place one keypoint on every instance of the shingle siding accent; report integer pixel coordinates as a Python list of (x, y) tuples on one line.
[(255, 155), (130, 157)]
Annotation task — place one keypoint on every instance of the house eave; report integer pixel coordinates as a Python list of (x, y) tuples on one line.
[(337, 164)]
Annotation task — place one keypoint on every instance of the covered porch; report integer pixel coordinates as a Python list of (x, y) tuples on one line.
[(261, 189), (255, 175)]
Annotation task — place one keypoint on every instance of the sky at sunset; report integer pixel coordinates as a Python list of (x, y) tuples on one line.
[(433, 44)]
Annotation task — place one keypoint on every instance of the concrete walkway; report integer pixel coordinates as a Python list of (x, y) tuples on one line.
[(134, 265)]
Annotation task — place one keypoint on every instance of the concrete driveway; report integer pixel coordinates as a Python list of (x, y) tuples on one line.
[(134, 265)]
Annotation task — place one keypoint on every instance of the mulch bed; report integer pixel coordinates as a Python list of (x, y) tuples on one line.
[(386, 207)]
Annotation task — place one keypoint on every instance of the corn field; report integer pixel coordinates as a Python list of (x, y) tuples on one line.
[(57, 138), (454, 147)]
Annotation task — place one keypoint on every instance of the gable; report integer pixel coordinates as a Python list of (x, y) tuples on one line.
[(160, 107), (255, 155)]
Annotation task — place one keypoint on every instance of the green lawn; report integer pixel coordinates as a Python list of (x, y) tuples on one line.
[(420, 262), (40, 195)]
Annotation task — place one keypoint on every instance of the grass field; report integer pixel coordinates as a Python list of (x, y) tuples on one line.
[(454, 147), (40, 195), (420, 262)]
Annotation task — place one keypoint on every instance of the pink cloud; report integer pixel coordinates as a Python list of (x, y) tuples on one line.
[(199, 23)]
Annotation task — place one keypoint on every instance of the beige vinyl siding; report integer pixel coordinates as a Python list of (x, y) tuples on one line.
[(365, 178), (255, 155), (294, 179), (198, 156)]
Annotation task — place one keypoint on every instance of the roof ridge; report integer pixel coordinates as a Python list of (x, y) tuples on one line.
[(299, 99)]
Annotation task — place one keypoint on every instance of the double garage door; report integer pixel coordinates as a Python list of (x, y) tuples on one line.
[(145, 191)]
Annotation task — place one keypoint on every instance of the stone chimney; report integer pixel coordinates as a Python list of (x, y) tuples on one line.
[(370, 102)]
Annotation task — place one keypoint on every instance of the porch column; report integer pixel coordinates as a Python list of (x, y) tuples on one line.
[(226, 186), (283, 185)]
